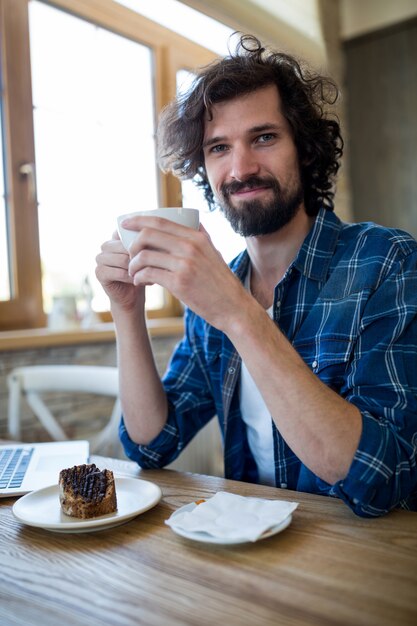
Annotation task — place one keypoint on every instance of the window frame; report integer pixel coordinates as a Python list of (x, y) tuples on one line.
[(171, 52)]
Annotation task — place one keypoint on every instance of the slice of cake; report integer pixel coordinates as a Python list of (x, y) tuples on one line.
[(85, 491)]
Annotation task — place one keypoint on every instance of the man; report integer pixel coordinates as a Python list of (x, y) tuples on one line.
[(306, 347)]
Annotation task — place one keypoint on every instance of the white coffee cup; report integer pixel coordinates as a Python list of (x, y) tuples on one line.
[(179, 215)]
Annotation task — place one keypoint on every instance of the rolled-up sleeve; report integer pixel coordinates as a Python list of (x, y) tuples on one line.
[(382, 383)]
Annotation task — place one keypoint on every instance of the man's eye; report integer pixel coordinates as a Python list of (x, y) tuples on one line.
[(265, 138), (219, 148)]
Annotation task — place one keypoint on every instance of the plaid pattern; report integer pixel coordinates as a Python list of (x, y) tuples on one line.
[(348, 305)]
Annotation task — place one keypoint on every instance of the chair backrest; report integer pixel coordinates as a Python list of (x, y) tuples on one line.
[(33, 381)]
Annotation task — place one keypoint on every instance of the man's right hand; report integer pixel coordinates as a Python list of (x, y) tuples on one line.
[(112, 273)]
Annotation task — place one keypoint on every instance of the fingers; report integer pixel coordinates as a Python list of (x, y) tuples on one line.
[(106, 275), (112, 263), (164, 270), (172, 256), (150, 258), (113, 259), (140, 222), (164, 250)]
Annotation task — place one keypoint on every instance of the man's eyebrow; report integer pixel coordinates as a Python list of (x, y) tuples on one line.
[(213, 140), (263, 127)]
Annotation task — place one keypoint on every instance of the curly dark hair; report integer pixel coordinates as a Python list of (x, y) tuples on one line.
[(305, 97)]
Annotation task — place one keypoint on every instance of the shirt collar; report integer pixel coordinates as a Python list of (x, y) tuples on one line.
[(316, 252)]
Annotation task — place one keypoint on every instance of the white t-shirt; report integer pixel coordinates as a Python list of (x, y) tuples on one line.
[(258, 421)]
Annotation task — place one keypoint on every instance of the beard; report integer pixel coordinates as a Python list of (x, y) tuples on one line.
[(257, 217)]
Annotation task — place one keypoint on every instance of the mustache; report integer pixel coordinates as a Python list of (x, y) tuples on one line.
[(250, 183)]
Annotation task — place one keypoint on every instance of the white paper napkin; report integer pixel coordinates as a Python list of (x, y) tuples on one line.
[(230, 516)]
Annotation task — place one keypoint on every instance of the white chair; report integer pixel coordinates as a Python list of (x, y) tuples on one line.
[(33, 381)]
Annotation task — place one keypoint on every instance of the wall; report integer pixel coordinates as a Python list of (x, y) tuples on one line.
[(359, 17), (292, 28), (381, 83)]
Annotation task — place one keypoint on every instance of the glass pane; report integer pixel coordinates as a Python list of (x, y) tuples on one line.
[(182, 19), (4, 250), (94, 144), (222, 235)]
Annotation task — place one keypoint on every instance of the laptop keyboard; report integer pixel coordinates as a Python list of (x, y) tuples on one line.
[(13, 465)]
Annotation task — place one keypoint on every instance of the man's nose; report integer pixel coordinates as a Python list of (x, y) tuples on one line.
[(243, 163)]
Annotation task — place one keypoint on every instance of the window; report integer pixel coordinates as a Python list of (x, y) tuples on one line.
[(185, 21), (4, 246), (80, 94), (94, 130)]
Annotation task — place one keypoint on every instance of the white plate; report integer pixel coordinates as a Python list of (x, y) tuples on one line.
[(206, 538), (42, 509)]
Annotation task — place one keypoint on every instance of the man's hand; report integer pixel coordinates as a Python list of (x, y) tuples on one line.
[(185, 262), (112, 272)]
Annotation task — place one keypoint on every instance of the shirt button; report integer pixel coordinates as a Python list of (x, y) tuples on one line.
[(284, 485), (231, 370), (314, 364), (278, 304)]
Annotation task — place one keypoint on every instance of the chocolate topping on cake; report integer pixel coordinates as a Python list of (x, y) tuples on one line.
[(86, 491), (86, 481)]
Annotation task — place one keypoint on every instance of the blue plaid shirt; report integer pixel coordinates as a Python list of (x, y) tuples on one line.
[(348, 305)]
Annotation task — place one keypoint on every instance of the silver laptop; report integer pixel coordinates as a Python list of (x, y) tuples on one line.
[(30, 466)]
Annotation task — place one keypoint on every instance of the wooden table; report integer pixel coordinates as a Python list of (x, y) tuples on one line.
[(328, 568)]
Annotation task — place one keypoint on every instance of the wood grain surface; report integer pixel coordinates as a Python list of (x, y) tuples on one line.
[(328, 567)]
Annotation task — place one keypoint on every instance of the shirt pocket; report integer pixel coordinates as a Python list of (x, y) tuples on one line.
[(328, 357)]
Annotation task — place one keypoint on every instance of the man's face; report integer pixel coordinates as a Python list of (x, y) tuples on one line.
[(251, 162)]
